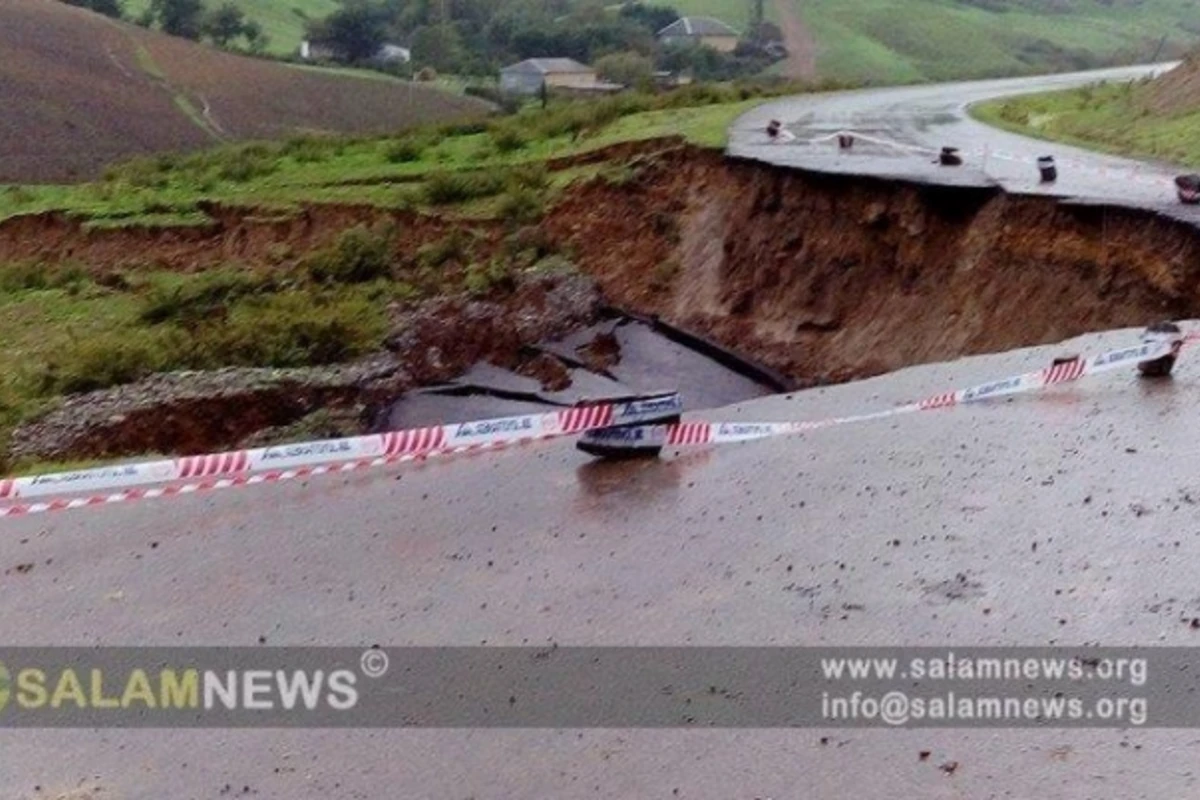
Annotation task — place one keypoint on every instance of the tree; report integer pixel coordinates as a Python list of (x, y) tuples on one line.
[(628, 69), (438, 46), (109, 8), (355, 32), (224, 24), (653, 18), (179, 17), (256, 40)]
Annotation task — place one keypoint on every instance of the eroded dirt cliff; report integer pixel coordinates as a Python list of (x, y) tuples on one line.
[(828, 278)]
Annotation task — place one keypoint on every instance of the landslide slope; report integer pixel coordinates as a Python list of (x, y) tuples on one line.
[(79, 90)]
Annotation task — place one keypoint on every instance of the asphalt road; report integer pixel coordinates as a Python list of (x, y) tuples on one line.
[(1068, 517), (901, 129), (1058, 518)]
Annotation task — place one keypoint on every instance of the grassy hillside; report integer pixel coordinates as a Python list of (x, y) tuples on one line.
[(388, 172), (1155, 119), (80, 90), (881, 40), (885, 41), (282, 20)]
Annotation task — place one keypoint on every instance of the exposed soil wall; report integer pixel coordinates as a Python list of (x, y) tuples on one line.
[(828, 278)]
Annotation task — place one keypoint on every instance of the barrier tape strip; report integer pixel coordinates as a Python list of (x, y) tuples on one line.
[(394, 443), (424, 443)]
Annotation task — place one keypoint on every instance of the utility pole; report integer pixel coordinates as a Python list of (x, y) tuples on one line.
[(1161, 44)]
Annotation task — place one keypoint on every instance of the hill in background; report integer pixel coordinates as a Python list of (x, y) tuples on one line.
[(882, 40), (1177, 92), (80, 90), (1149, 118)]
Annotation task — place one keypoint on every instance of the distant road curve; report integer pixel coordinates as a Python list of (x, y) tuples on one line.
[(922, 119)]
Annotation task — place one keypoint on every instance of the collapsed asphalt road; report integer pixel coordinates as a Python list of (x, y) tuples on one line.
[(934, 116), (1066, 517), (641, 357)]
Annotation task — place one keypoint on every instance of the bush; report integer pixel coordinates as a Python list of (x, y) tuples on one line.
[(359, 255), (444, 188), (290, 329), (522, 206), (293, 329), (146, 173), (454, 246), (481, 279), (306, 149), (508, 138), (628, 69), (247, 163), (402, 151), (467, 128), (528, 176), (36, 275), (200, 299), (111, 359)]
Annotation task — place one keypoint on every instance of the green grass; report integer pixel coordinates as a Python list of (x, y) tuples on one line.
[(282, 20), (1108, 117), (735, 13), (386, 172), (884, 41)]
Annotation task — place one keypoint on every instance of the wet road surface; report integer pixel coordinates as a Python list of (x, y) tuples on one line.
[(1070, 517), (910, 123)]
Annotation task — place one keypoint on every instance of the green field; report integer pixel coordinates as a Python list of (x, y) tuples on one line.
[(282, 20), (1109, 117), (735, 13), (885, 41), (168, 188)]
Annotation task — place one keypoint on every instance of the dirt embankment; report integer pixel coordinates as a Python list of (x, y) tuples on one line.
[(823, 278), (829, 278)]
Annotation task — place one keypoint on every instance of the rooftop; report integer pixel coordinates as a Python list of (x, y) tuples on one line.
[(545, 66), (698, 26)]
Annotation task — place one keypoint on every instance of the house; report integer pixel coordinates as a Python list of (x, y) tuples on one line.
[(707, 31), (528, 76), (387, 54), (393, 54), (315, 51)]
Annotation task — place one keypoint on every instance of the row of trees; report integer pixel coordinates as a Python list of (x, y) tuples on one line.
[(476, 37), (225, 25), (479, 36)]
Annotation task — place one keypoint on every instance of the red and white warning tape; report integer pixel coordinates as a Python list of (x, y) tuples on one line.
[(290, 462)]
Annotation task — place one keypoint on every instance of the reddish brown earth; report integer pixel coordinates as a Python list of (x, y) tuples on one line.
[(80, 90), (832, 278), (823, 278)]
